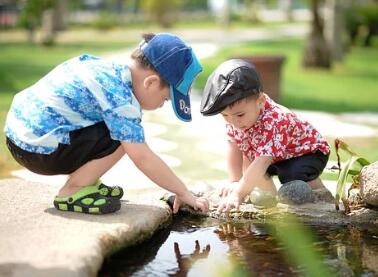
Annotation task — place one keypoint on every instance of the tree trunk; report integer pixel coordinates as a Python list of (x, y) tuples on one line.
[(48, 33), (59, 15), (335, 28), (224, 13), (31, 35), (287, 7), (251, 11), (316, 52), (119, 5)]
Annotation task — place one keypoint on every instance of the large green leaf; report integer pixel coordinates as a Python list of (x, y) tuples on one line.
[(341, 182), (356, 167), (352, 167)]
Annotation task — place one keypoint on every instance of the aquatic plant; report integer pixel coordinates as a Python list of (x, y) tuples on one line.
[(351, 167)]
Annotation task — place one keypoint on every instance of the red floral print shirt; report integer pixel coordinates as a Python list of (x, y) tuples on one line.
[(277, 133)]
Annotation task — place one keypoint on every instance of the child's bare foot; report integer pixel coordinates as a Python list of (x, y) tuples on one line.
[(68, 190), (108, 191), (268, 185), (321, 193)]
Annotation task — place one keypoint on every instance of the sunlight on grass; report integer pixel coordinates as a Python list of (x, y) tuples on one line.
[(7, 163), (350, 86), (21, 65)]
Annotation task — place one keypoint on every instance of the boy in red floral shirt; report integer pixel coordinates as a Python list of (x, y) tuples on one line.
[(265, 138)]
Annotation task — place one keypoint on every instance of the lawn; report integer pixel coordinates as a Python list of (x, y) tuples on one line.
[(22, 64), (350, 86)]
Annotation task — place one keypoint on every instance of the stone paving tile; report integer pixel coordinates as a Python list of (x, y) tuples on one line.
[(38, 240)]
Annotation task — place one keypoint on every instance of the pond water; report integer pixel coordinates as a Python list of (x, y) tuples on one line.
[(194, 246)]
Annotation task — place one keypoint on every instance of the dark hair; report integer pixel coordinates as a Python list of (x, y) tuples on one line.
[(142, 60), (247, 98)]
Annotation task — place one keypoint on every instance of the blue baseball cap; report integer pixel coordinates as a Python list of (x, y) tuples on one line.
[(177, 64)]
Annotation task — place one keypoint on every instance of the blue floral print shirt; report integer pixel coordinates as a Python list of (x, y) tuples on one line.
[(77, 93)]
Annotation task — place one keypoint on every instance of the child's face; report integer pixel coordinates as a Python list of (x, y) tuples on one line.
[(244, 113)]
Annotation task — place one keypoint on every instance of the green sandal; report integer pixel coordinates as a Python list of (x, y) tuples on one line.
[(88, 200), (114, 192)]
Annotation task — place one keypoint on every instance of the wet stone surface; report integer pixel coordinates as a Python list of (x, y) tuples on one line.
[(318, 212)]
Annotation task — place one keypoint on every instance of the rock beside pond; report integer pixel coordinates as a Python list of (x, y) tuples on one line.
[(369, 184), (295, 192), (355, 198), (323, 195)]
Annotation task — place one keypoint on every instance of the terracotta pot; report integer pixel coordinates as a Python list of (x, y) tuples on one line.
[(269, 68)]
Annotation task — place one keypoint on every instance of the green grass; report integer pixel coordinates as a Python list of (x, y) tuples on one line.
[(200, 22), (349, 86), (21, 65), (7, 163), (364, 147)]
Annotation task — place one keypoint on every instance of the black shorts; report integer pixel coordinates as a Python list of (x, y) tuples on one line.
[(86, 144), (306, 168)]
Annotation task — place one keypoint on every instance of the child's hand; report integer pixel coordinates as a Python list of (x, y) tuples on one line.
[(195, 202), (227, 189), (231, 201)]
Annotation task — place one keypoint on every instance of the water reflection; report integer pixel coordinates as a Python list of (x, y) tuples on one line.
[(251, 244), (186, 261), (204, 247), (349, 251)]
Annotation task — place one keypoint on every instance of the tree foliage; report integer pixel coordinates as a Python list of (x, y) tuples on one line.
[(31, 14), (164, 12)]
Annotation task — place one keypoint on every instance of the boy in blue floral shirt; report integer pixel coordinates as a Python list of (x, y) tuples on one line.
[(84, 115)]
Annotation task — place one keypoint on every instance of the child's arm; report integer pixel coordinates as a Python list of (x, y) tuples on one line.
[(255, 174), (155, 169), (234, 160)]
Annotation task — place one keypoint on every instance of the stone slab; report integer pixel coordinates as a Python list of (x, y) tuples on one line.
[(38, 240)]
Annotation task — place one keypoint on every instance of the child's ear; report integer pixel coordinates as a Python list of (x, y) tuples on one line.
[(151, 81), (261, 100)]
